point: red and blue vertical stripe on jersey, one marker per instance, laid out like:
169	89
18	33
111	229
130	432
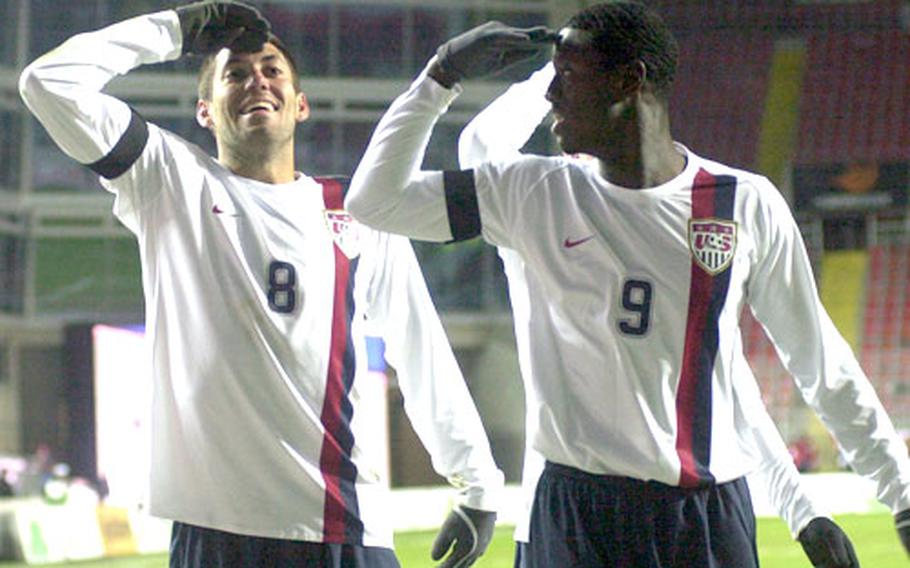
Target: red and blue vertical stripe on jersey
342	522
712	198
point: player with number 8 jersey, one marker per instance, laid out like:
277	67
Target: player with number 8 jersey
260	290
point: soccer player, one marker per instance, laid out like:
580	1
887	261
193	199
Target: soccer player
638	265
498	133
260	290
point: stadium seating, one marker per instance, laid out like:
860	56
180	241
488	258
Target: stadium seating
872	14
776	385
885	352
719	95
856	98
727	14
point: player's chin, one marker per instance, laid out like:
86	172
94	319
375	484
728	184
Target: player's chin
564	137
255	119
260	124
567	145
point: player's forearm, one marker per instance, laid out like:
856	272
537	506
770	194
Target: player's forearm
436	397
63	87
505	125
797	510
388	191
440	407
786	493
826	371
777	475
867	438
833	384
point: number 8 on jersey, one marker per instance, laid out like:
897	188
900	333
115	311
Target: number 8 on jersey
282	287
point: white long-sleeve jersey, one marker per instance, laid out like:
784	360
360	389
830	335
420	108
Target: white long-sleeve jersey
497	133
635	299
258	300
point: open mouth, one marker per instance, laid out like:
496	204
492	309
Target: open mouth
259	106
556	119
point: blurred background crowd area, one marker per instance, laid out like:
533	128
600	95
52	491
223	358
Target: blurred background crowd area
814	94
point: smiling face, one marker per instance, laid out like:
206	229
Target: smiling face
255	102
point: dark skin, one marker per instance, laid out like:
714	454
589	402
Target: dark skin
608	111
611	112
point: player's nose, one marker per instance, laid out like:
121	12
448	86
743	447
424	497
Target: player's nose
553	90
258	80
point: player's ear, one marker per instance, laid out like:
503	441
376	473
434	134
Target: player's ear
631	77
634	77
203	114
303	107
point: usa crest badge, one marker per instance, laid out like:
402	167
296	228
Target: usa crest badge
344	231
712	242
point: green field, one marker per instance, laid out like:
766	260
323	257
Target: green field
872	535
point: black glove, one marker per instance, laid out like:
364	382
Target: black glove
492	49
902	522
209	26
471	530
826	545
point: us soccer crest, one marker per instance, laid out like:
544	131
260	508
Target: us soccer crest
344	231
712	242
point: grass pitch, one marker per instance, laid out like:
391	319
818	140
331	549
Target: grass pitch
873	537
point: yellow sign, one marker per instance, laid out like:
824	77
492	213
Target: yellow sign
116	531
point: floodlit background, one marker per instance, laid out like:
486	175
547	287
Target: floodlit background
814	94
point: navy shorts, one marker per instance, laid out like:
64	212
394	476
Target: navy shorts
584	520
199	547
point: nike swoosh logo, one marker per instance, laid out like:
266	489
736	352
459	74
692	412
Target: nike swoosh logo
569	243
219	211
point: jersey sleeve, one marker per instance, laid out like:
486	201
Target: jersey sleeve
500	130
436	397
784	298
778	477
63	89
775	474
388	191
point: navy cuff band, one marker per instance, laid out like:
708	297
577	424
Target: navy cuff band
461	204
127	150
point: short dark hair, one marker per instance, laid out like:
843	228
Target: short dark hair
627	31
207	69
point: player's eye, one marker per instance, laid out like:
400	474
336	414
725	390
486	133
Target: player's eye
233	74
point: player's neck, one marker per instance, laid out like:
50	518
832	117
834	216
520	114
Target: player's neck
260	164
648	157
644	167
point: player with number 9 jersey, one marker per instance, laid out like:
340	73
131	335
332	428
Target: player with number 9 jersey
634	269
